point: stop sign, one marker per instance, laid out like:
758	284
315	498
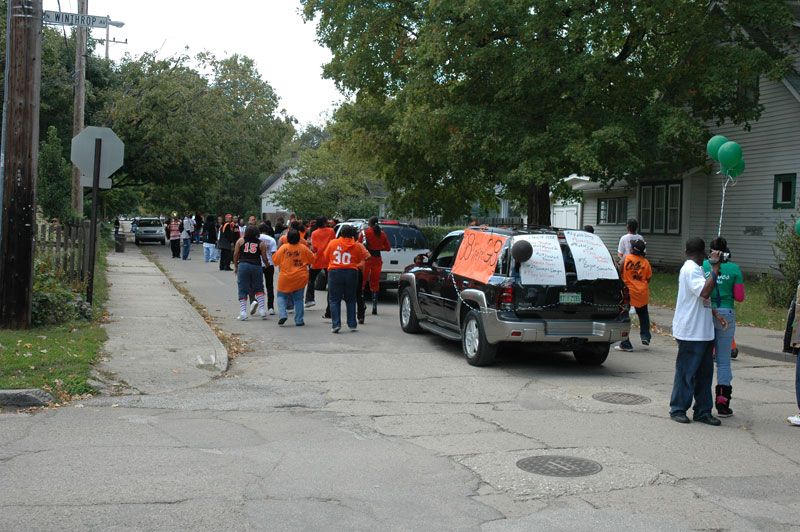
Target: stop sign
112	151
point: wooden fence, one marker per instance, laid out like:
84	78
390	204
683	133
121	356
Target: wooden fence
67	245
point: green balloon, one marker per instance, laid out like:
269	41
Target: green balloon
713	146
730	154
734	172
797	226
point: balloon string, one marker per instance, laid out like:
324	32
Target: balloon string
726	180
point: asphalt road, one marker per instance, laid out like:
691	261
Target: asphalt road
381	430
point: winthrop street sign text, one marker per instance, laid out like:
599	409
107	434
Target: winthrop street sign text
74	19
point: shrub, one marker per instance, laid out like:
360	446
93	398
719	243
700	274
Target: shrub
781	289
435	233
53	301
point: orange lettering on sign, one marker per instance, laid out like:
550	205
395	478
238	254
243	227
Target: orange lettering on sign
477	255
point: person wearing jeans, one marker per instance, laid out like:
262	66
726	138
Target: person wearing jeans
344	255
292	260
186	236
209	239
693	328
729	288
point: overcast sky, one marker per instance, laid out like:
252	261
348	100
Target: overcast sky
269	31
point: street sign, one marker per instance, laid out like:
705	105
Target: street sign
113	151
74	19
104	183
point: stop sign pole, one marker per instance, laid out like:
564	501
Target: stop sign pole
98	150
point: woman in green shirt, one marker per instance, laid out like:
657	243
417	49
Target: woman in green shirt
730	288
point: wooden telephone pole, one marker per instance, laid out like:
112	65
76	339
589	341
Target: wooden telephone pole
79	97
20	161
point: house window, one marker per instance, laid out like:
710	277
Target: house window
660	208
612	210
783	191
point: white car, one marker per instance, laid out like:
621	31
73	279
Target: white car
407	242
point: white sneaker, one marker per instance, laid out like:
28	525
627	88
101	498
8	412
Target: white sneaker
242	316
794	420
263	314
253	307
310	304
290	311
272	312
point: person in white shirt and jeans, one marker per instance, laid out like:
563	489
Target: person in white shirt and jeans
625	242
693	328
186	235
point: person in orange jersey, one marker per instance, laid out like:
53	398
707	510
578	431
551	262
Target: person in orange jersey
636	274
344	255
320	237
293	259
375	240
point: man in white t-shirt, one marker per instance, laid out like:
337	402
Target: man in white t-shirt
625	242
693	328
186	235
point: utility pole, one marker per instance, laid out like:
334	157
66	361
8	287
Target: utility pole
20	161
78	101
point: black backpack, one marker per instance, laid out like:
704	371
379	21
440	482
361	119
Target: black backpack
180	226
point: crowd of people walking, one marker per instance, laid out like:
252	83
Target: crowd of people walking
301	251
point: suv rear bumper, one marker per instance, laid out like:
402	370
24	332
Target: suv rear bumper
556	331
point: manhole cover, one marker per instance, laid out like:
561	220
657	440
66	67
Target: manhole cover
559	466
620	398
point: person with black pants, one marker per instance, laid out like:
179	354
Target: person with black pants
226	239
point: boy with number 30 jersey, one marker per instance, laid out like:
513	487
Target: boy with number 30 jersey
344	255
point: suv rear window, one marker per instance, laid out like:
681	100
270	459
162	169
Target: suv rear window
401	236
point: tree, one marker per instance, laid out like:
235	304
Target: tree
54	185
454	99
328	183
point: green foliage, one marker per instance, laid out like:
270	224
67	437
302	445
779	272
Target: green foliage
435	233
460	101
53	300
328	183
54	184
782	289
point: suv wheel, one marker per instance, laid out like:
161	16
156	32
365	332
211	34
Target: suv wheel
408	318
476	349
137	241
593	354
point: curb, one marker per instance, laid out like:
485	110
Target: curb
745	349
26	397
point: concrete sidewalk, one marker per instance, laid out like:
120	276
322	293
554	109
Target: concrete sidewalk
156	338
764	343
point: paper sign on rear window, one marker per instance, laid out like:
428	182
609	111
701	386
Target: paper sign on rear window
546	265
592	259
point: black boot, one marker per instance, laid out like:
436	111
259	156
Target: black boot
723	402
374	303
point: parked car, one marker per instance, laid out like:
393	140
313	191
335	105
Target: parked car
406	240
150	230
583	312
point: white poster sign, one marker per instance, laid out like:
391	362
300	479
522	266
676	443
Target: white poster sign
592	259
546	265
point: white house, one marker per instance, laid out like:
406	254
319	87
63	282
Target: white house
269	209
669	212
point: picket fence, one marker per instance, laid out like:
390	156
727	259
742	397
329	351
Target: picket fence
67	244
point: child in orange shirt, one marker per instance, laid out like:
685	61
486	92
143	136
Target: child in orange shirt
293	259
636	274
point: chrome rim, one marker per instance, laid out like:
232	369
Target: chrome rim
405	310
471	338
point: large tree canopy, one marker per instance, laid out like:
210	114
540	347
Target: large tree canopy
454	99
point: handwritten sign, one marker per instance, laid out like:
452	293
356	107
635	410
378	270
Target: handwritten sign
477	255
592	259
546	265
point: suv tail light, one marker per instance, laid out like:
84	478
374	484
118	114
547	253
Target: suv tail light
505	298
625	302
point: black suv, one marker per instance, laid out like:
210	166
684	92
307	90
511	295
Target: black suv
584	311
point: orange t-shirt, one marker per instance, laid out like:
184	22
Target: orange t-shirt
343	253
636	274
375	242
320	239
292	260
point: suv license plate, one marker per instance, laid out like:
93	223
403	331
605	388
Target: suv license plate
570	298
392	276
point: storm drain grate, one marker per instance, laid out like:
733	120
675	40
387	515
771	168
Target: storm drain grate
620	398
559	466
